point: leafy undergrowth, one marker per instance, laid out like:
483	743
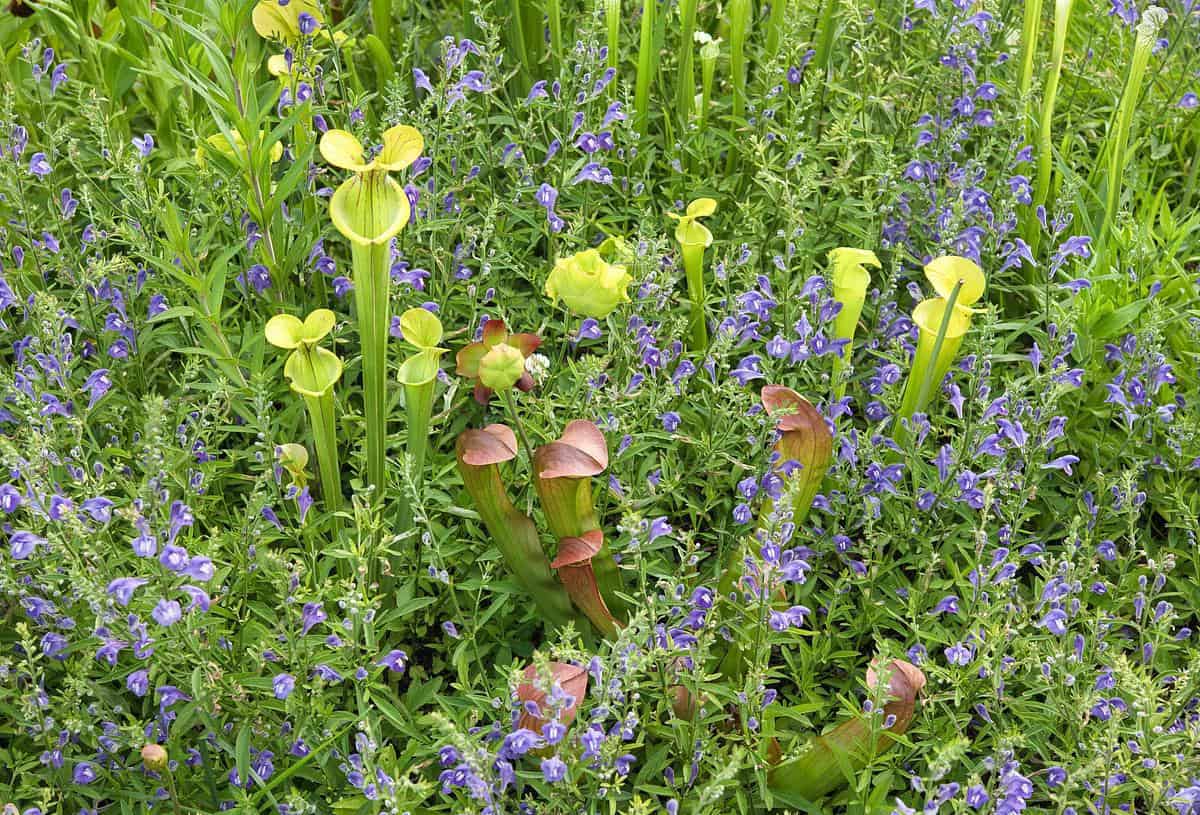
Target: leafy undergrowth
538	407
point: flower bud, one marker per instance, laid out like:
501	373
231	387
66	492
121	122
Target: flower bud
154	758
587	284
501	367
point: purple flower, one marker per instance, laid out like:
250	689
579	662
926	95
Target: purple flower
421	80
167	612
144	145
553	769
39	165
947	605
1055	621
670	421
594	172
283	685
58	77
311	615
308	23
1189	100
326	673
976	796
22	544
198	596
958	654
174	557
122	588
199	568
658	528
394	661
450	629
1061	463
84	773
259	277
138	682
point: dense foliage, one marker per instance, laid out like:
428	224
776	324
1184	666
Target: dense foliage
257	563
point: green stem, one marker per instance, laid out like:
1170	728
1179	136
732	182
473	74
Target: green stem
647	67
612	17
554	15
685	82
1062	20
1030	26
1147	30
775	26
320	414
381	20
821	58
693	267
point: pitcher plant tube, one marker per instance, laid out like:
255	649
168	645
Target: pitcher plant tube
312	372
804	450
942	322
369	209
480	453
694	238
422	330
851	746
563	471
574	565
849	279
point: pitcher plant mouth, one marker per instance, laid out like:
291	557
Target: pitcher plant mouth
370	209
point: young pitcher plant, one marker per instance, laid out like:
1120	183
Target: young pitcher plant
312	372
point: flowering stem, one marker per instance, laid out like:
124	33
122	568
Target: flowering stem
516	417
693	267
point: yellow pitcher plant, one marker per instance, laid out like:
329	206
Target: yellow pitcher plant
369	209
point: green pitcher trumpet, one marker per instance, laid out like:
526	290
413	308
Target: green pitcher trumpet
312	372
849	278
423	330
369	209
942	322
942	328
694	238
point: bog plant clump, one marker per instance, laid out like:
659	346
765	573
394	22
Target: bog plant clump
561	407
